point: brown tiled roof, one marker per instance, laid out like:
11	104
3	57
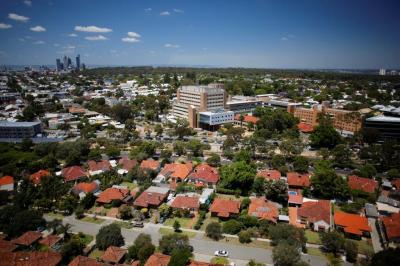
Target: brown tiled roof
85	187
6	180
103	165
34	258
36	177
392	226
270	174
113	254
305	128
73	173
247	118
127	164
147	199
298	180
295	199
7	246
263	209
158	259
186	202
150	164
396	183
50	240
112	193
360	183
27	239
316	211
225	207
177	170
205	173
352	223
85	261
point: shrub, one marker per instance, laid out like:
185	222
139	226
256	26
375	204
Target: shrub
213	231
232	227
244	237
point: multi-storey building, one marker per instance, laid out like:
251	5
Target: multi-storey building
19	130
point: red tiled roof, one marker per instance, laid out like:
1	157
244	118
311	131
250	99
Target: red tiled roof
205	173
112	193
150	164
73	173
298	180
392	226
113	254
361	183
295	199
50	240
352	223
200	263
305	128
6	180
186	202
270	174
85	261
147	199
247	118
127	164
225	207
396	183
316	211
86	187
36	177
7	246
158	259
293	217
34	258
177	170
263	209
103	165
27	239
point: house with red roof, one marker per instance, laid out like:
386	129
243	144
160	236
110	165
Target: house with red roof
396	183
315	215
7	183
84	188
186	202
295	199
364	184
298	181
36	178
32	258
247	119
113	255
176	172
391	227
7	246
114	193
158	259
152	197
100	167
126	165
86	261
225	208
73	173
27	239
204	174
264	209
352	224
273	175
50	240
150	164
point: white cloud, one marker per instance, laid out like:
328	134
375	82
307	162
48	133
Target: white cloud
39	42
134	34
28	2
56	44
287	37
16	17
73	35
148	9
284	38
178	10
92	29
130	39
38	29
69	47
4	26
165	13
96	38
169	45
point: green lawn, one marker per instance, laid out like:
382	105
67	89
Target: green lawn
315	252
86	239
92	220
167	231
130	185
313	237
42	247
208	220
96	253
125	225
56	215
364	247
183	221
220	261
254	244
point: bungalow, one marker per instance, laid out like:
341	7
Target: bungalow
34	258
96	168
264	209
186	202
51	241
150	165
315	215
204	174
113	255
85	261
391	227
126	165
73	173
158	259
151	197
298	181
7	183
352	224
225	208
364	184
36	178
84	188
27	239
273	175
114	193
177	172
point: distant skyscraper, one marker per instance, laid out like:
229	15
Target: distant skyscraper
382	72
58	65
69	63
65	62
78	62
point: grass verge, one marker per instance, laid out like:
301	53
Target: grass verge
92	220
167	231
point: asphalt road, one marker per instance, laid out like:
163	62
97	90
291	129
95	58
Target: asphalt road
201	246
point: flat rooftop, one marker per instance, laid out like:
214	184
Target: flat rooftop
18	124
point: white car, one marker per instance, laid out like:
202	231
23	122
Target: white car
221	253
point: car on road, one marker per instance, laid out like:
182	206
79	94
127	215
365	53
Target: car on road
137	224
221	253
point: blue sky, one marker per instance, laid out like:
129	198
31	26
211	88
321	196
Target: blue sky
245	33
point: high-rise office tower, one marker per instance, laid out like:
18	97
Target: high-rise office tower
382	72
69	63
65	62
58	64
78	62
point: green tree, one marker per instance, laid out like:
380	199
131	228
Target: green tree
158	129
238	175
325	135
342	156
289	234
214	160
181	128
351	249
291	147
177	226
232	227
174	241
109	235
71	249
332	241
259	186
244	236
285	254
180	257
243	156
367	170
213	231
300	164
79	212
388	256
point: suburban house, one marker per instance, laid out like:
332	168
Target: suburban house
85	261
83	188
114	193
36	178
158	259
47	258
113	255
295	199
364	184
50	241
298	181
186	202
126	165
7	183
27	239
96	168
264	209
391	227
225	208
176	172
352	224
204	174
387	206
273	175
150	164
73	173
7	246
152	197
315	215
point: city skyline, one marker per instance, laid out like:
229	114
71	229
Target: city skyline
270	34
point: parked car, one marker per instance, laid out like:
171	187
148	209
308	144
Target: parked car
221	253
138	224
